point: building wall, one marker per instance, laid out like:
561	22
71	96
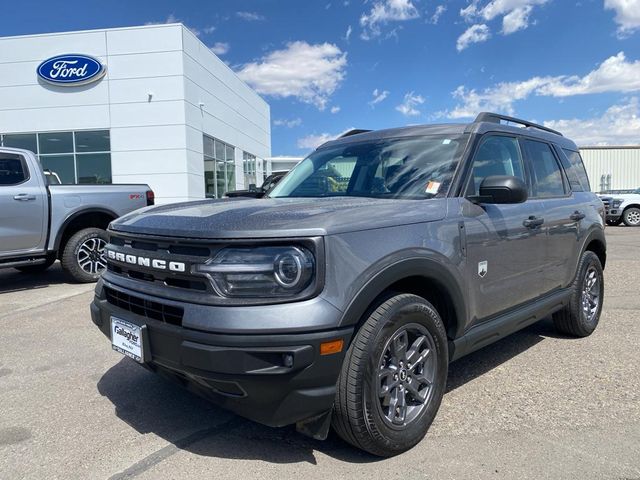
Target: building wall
222	106
621	163
150	99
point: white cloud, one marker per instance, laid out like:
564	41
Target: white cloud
473	34
409	104
283	122
383	12
615	74
517	19
435	18
619	125
347	35
220	48
250	16
515	16
310	73
313	141
209	29
335	109
378	96
627	15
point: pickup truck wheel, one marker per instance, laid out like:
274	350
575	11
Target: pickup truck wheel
83	256
393	377
631	217
580	318
37	268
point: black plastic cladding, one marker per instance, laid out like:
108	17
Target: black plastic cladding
166	284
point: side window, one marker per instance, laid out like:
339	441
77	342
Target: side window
497	155
547	177
578	169
12	169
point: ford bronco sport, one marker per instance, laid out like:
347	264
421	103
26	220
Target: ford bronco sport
340	298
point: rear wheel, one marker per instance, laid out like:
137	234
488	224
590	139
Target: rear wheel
631	217
580	318
83	257
393	377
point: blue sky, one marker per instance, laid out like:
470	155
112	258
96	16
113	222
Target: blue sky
328	66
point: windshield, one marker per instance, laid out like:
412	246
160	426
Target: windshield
407	168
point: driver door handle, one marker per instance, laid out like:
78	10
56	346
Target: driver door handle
577	215
533	222
24	197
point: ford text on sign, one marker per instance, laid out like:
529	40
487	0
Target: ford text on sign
71	70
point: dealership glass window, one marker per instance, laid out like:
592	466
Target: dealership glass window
77	157
219	167
27	141
249	168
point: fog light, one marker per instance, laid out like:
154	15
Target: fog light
287	359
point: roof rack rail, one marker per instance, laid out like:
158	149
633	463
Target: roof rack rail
496	118
355	131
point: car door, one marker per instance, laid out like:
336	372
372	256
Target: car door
563	211
22	206
502	240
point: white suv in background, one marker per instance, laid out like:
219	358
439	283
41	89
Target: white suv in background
623	207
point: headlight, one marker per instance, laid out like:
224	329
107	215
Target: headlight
616	202
260	272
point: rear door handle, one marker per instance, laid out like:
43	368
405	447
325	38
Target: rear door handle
533	222
577	216
24	197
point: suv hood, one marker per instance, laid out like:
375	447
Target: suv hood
277	217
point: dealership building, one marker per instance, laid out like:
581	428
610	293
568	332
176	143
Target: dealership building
160	108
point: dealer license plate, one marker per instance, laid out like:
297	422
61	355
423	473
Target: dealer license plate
126	338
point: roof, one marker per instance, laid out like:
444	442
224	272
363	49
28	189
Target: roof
477	127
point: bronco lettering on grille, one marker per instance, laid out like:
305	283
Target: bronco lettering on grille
148	262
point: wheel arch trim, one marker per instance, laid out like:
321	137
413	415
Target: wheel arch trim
74	216
429	268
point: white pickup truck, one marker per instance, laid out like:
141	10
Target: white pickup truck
622	207
41	222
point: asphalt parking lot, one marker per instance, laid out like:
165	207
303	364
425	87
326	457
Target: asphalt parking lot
535	405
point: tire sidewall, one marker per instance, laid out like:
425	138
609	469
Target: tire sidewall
589	259
406	312
624	217
70	256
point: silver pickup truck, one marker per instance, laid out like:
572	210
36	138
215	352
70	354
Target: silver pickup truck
41	222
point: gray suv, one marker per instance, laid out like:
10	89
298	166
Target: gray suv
340	298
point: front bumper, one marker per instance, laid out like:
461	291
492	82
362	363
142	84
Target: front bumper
273	379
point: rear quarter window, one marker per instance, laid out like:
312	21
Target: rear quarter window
577	170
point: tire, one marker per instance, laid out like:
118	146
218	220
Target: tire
614	223
631	217
575	319
37	268
363	413
83	256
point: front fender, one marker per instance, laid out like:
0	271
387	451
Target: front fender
429	265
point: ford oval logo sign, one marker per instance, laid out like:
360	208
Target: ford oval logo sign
71	70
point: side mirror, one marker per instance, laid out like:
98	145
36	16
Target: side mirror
503	189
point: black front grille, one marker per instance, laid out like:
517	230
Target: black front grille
146	308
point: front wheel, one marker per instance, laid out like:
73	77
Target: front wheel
83	257
631	217
393	377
